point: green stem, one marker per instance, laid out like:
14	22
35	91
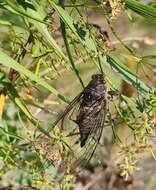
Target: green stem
118	38
63	31
100	66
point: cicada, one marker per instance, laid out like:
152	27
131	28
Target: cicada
82	121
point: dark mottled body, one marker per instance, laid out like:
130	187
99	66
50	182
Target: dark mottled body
91	108
88	111
90	116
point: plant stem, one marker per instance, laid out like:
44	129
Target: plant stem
63	31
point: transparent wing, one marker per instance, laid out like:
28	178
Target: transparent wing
74	104
83	155
71	153
51	149
146	71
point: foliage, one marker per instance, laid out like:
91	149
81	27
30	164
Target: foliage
44	46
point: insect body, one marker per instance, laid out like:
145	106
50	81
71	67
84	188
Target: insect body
91	112
83	121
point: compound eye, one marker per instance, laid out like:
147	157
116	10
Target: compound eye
94	76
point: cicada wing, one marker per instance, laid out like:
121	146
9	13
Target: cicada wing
147	72
77	156
51	147
84	154
73	105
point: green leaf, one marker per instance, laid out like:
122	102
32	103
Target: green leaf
14	96
5	22
144	10
84	37
13	7
11	63
35	15
127	75
42	28
10	134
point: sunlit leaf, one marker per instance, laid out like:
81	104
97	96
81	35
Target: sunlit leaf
11	63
